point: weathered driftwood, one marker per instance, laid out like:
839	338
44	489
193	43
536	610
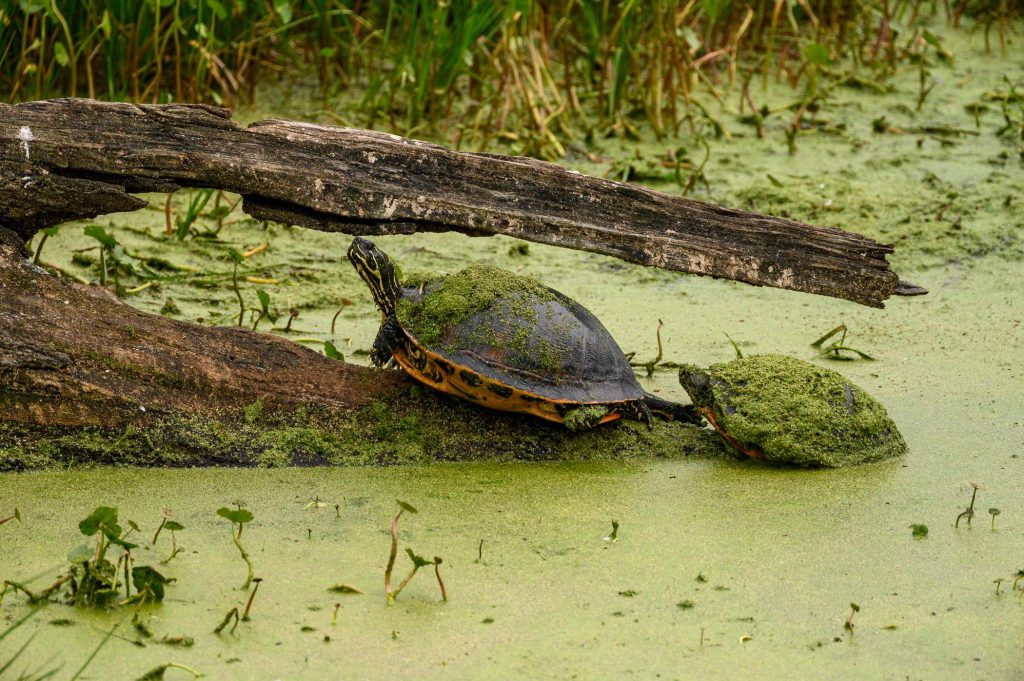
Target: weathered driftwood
75	355
65	159
85	378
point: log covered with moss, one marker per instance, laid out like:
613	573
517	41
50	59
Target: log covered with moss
87	379
72	158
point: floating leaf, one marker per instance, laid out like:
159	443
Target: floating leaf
145	577
173	526
239	516
332	351
103	516
406	507
100	234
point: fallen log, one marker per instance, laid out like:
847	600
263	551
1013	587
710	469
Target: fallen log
70	158
87	379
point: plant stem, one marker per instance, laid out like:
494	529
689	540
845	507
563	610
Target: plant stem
245	556
437	572
252	596
156	535
234	285
391	558
227	618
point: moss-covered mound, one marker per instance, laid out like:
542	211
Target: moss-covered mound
453	299
795	412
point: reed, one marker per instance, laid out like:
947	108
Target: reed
530	73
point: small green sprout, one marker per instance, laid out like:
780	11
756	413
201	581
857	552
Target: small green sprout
232	614
854	608
613	536
650	365
238	518
998	581
15	516
994	512
440	583
418	562
402	508
264	310
919	531
835	349
46	234
345	302
172	526
735	347
236	259
969	511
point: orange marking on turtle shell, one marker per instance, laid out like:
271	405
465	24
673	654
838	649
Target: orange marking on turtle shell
475	388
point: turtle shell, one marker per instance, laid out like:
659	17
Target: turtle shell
792	411
518	333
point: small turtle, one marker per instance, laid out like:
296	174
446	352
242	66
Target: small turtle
505	342
783	409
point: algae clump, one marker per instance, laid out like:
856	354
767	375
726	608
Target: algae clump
457	297
794	412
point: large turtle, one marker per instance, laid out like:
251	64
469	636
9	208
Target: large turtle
505	342
786	410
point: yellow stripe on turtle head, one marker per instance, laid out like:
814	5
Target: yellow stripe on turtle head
378	271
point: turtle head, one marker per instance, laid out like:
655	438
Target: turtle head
379	273
697	384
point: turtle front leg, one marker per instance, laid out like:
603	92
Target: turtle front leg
388	338
584	416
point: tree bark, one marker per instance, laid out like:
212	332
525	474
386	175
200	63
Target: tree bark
75	355
72	158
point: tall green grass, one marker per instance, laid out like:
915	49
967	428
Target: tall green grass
531	71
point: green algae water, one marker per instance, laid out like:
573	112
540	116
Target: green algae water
721	568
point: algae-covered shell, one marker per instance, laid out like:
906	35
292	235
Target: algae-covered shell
514	330
787	410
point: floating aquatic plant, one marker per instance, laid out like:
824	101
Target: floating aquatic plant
238	518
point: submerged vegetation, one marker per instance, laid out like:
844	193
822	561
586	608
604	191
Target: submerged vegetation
535	75
93	580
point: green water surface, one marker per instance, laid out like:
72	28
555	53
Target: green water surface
784	552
